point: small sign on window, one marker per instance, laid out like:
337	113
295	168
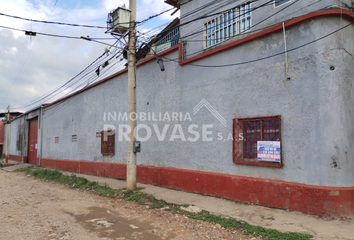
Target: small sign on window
268	151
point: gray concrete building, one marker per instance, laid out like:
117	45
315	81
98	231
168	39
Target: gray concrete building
245	74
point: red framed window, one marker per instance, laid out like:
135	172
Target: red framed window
107	142
247	132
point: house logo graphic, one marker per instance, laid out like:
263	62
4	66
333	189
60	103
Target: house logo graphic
204	103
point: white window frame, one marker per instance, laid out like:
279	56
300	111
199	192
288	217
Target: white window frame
282	3
238	20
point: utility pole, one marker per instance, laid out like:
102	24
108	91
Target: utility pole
131	155
7	134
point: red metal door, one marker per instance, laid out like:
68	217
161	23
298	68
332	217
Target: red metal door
32	142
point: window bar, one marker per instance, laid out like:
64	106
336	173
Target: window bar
228	24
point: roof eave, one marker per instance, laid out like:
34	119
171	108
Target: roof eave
174	3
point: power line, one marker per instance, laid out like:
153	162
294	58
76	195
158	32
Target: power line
252	9
193	20
91	74
29	52
260	59
219	13
51	35
64	102
153	16
248	32
67	84
81	25
49	22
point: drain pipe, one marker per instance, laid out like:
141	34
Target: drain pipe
23	138
286	54
41	128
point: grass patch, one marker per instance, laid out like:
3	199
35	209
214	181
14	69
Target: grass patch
141	198
244	226
26	169
158	204
72	181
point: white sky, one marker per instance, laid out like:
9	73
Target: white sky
32	66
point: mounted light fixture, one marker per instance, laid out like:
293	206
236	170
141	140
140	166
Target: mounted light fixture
105	64
160	62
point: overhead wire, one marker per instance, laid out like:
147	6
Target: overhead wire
64	102
260	59
82	25
252	9
221	12
51	35
49	22
91	67
217	13
254	25
248	32
18	73
86	79
187	23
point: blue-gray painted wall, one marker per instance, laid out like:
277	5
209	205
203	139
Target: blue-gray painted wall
316	108
263	15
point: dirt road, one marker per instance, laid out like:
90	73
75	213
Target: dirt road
36	209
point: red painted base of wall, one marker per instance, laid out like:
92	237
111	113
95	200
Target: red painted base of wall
335	202
113	170
18	158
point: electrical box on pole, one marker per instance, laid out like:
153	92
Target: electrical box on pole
119	21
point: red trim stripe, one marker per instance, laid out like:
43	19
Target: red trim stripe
334	202
274	29
18	158
291	23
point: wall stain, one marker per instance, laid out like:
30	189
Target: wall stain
19	139
334	164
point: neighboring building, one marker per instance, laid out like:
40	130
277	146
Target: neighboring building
234	90
23	136
2	132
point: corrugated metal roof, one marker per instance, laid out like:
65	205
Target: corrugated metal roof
33	109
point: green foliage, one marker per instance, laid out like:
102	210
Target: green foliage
23	169
247	228
136	196
72	181
158	204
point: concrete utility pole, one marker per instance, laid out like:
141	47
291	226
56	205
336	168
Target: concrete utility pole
131	155
7	134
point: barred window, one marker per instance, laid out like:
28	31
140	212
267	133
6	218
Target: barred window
277	3
107	142
247	132
229	24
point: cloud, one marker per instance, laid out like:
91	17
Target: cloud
32	66
147	8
